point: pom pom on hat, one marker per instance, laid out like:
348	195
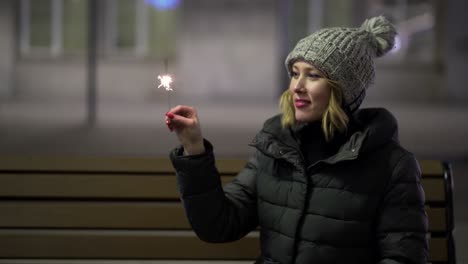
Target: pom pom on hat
383	32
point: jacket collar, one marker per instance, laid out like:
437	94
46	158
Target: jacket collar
278	142
370	129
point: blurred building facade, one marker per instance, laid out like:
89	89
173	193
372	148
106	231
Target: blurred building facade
217	49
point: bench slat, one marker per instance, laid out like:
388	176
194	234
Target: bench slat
104	215
120	245
121	215
429	168
132	261
88	186
125	186
434	189
111	186
102	164
438	250
138	245
85	164
87	261
437	219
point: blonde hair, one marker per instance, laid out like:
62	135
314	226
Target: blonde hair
334	119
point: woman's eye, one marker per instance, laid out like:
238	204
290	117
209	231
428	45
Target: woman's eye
294	74
314	75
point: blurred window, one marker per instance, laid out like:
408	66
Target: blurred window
124	24
40	17
51	28
75	33
131	28
141	28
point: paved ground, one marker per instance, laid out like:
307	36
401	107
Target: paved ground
428	130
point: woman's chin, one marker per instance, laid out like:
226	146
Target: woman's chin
301	118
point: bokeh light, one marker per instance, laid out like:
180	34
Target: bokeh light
163	4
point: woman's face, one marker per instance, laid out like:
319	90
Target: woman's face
310	92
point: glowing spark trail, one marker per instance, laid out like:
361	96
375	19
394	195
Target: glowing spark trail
166	81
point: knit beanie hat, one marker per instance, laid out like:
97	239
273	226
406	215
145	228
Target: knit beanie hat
346	55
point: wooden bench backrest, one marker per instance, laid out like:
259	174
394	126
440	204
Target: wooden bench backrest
129	208
437	182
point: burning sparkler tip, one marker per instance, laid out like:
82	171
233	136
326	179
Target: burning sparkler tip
165	81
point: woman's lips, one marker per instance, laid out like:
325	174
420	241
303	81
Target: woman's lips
299	103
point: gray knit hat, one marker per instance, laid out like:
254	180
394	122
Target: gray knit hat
346	55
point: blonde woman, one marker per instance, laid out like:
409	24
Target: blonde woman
329	182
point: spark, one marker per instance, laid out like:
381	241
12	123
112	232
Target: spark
166	81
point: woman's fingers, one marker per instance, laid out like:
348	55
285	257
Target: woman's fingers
183	110
182	117
169	124
184	120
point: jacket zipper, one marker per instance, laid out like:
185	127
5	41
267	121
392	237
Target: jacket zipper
300	161
305	170
303	213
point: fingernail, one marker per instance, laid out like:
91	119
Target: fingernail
169	125
170	115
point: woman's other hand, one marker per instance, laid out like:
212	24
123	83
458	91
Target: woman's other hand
184	120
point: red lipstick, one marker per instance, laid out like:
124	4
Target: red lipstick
299	103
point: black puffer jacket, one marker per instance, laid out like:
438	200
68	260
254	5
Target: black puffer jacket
362	205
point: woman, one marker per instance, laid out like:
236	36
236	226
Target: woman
328	183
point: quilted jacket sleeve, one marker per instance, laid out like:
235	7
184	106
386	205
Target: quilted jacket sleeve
216	214
402	224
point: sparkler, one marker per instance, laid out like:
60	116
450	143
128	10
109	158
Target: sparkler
165	81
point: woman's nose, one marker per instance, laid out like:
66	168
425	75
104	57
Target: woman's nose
299	86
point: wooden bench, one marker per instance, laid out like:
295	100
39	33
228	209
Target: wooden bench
125	209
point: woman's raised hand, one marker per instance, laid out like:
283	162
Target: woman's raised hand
184	120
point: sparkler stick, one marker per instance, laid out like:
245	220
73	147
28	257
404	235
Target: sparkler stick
165	81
